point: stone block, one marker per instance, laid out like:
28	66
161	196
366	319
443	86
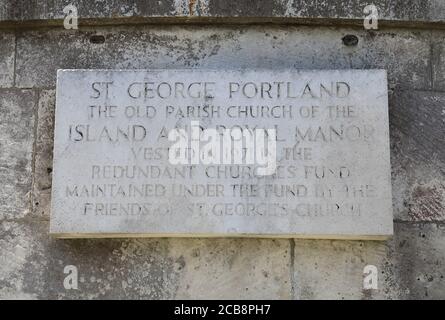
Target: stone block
33	267
410	266
44	154
7	55
17	108
404	53
117	170
417	127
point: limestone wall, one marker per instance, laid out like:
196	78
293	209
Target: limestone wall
410	44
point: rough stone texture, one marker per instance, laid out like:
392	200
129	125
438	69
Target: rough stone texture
17	109
418	258
20	258
7	55
334	270
51	11
410	10
417	126
33	264
44	154
438	60
41	53
411	266
233	268
412	263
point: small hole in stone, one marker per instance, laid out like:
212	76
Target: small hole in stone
350	40
97	39
37	203
49	170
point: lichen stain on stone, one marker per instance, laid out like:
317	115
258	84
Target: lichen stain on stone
192	7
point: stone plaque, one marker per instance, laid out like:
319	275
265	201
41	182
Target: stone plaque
222	153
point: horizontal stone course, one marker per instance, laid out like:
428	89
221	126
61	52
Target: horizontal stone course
51	11
33	265
41	53
410	266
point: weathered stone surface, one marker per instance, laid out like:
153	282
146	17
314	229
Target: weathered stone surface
334	270
338	186
33	267
29	10
21	261
51	12
44	154
7	53
410	266
232	268
418	259
40	54
411	10
32	264
17	109
417	127
438	60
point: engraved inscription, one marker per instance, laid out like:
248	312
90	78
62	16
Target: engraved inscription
222	153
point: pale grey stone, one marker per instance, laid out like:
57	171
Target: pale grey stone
18	249
44	154
17	109
407	12
438	59
7	55
40	54
351	199
232	268
326	269
410	266
33	267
